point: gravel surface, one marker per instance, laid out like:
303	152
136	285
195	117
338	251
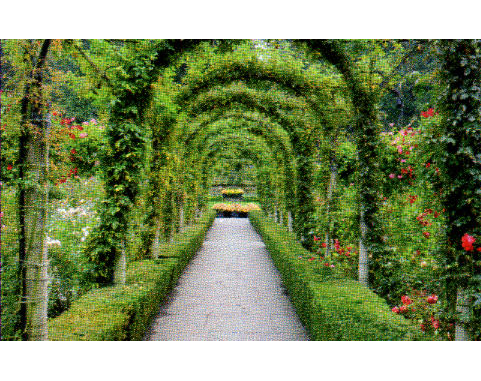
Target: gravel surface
229	291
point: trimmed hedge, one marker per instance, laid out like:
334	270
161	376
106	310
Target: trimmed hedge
125	312
329	305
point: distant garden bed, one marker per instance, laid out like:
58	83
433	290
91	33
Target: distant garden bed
232	194
230	210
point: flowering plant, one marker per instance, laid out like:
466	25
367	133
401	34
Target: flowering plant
232	192
424	310
239	208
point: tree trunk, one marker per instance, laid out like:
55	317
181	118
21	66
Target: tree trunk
289	220
330	190
155	250
32	204
120	266
363	254
464	312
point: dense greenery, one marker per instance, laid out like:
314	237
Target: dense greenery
368	150
330	306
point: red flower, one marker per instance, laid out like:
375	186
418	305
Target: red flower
435	324
324	244
423	328
403	309
317	238
428	165
73	151
326	264
310	259
432	299
395	310
10	167
467	242
406	300
71	135
426	234
427	114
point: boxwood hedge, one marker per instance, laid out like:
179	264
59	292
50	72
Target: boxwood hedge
330	306
125	312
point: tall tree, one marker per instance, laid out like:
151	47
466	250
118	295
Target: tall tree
33	197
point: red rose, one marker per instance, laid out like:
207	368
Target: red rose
432	299
403	309
467	242
395	310
324	244
406	300
10	167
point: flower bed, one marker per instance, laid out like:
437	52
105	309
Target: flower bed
232	194
234	210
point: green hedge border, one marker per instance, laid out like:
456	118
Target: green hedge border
125	312
330	307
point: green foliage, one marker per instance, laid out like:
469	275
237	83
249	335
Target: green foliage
330	306
125	312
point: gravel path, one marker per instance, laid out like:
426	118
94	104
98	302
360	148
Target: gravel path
229	291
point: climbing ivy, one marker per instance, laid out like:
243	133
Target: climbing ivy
457	153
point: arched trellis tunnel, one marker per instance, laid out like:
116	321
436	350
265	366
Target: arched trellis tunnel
295	102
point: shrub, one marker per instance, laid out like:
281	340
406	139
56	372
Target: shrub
125	312
331	306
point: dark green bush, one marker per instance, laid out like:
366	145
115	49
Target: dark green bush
125	312
330	306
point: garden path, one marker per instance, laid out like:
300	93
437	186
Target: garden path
229	291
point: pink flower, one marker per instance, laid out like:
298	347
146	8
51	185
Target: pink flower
93	121
395	310
332	266
399	176
403	160
392	176
83	135
432	299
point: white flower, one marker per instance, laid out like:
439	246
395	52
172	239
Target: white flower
53	242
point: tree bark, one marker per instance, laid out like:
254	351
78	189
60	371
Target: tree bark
32	203
464	312
363	254
330	190
120	266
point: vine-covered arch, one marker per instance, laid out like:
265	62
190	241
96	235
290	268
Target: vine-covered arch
293	115
280	152
254	123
